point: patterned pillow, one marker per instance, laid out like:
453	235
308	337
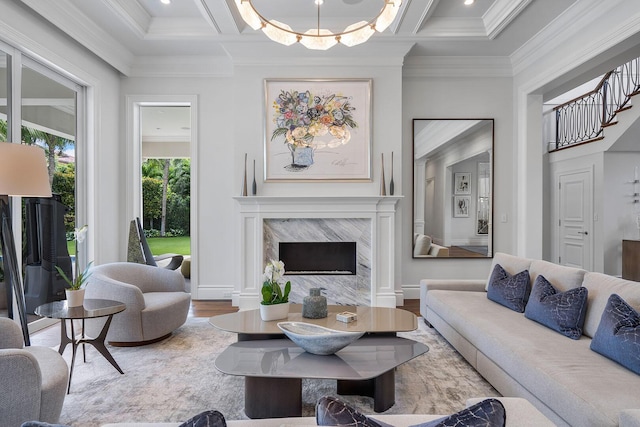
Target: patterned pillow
618	334
561	311
510	291
206	419
488	413
333	412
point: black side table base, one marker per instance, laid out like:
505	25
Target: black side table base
97	343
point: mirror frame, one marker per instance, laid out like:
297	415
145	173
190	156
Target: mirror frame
474	181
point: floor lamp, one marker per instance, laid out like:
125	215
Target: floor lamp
23	172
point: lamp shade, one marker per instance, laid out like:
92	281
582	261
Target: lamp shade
23	171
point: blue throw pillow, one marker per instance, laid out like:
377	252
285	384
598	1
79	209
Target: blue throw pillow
488	413
561	311
618	334
510	291
206	419
334	412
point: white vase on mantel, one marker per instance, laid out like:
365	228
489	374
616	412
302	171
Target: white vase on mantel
75	298
274	311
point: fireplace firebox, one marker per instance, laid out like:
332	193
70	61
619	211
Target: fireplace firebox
318	258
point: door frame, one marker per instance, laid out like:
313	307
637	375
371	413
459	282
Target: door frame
555	217
134	163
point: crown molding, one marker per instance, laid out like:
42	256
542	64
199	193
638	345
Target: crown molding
502	13
569	25
457	66
69	19
374	53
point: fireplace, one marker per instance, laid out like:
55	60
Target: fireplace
369	221
318	258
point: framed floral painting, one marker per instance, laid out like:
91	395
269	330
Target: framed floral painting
317	130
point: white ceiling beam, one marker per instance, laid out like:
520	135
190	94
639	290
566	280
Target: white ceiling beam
66	16
132	13
207	15
500	14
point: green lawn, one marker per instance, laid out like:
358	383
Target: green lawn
170	245
159	245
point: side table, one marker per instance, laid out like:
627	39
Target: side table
91	309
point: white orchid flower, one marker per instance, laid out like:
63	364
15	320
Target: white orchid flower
79	234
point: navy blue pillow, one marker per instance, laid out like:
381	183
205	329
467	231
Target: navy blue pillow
510	291
561	311
618	334
334	412
206	419
488	413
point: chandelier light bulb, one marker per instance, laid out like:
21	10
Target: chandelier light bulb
319	38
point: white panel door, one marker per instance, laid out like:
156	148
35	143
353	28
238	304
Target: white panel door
575	214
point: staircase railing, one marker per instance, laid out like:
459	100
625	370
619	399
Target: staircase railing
583	119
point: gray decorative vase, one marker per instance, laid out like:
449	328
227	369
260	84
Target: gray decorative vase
314	306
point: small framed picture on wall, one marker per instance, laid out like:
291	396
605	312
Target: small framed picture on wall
462	183
461	206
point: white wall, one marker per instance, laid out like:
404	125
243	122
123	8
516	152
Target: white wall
449	97
231	124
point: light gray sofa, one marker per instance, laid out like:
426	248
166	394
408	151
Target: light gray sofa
520	413
34	379
156	301
564	378
424	247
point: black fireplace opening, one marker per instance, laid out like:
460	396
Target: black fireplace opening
318	258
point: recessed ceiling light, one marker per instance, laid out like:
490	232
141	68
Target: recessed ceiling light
468	2
169	1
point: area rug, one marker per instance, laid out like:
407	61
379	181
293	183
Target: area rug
174	379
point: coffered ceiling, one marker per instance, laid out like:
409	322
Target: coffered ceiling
123	31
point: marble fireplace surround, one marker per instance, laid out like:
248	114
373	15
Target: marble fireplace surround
370	219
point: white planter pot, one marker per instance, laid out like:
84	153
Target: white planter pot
274	312
74	298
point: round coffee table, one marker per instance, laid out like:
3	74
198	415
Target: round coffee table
91	309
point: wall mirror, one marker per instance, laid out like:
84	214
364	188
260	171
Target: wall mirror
452	188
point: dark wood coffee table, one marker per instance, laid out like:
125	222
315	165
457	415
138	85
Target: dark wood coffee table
274	369
274	366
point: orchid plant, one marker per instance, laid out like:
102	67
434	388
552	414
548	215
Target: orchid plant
272	293
79	279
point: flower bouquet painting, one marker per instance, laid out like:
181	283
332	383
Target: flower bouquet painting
318	129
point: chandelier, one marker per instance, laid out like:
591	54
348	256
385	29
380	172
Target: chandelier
319	38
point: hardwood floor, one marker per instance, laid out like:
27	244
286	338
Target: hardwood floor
216	307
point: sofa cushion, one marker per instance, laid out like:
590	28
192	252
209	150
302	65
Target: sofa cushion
600	287
422	245
563	312
510	263
618	336
509	290
488	413
563	277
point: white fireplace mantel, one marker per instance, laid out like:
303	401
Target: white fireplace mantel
380	210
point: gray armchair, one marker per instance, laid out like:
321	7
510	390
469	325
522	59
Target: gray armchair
34	379
156	301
